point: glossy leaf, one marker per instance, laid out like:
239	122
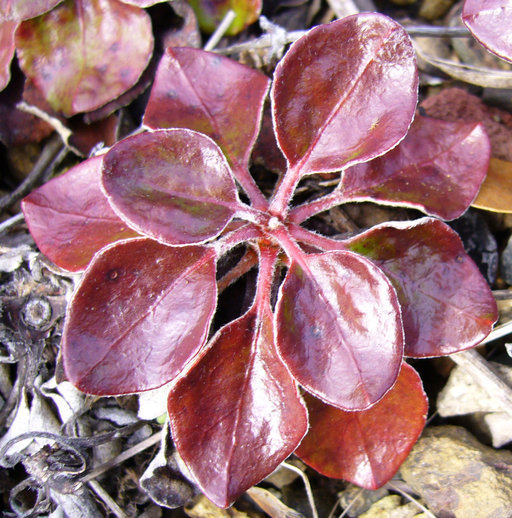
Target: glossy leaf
142	310
237	414
70	217
339	329
210	94
211	12
98	50
489	21
18	10
367	447
172	185
437	168
496	191
335	93
446	304
6	51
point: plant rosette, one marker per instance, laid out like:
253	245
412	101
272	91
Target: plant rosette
315	366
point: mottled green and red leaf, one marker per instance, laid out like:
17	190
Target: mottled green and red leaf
18	10
173	185
210	13
211	94
85	53
447	306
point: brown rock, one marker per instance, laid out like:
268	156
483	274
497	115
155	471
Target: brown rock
391	507
458	477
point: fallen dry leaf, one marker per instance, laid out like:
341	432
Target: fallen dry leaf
496	191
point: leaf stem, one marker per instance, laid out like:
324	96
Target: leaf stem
248	261
292	249
248	184
245	232
283	194
316	240
306	210
268	256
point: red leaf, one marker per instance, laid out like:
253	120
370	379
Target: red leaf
437	168
489	21
447	305
173	185
335	94
339	329
187	33
98	50
211	12
18	10
366	447
210	94
86	136
6	51
70	217
237	414
141	311
143	3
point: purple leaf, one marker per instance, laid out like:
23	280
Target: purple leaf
98	50
18	10
210	94
237	414
172	185
447	305
142	310
367	447
18	127
142	3
339	329
6	51
344	93
437	168
489	21
70	218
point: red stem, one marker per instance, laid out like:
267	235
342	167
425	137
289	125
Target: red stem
246	232
316	240
283	194
245	179
305	211
268	258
